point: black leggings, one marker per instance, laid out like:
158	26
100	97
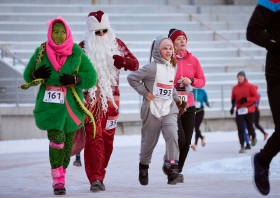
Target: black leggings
185	132
198	120
256	121
272	146
240	119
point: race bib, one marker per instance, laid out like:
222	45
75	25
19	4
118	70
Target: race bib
182	95
164	91
243	111
54	94
197	104
112	122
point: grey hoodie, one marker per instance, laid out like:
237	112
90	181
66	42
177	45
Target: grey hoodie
147	74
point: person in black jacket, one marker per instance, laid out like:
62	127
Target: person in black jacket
264	30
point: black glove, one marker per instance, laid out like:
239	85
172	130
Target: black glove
42	72
69	80
231	110
207	104
243	100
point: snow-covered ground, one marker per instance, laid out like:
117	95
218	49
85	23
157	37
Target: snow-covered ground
217	170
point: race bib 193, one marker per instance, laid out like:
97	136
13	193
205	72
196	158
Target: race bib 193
164	91
243	111
112	122
183	95
54	94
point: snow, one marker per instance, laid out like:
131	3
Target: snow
216	170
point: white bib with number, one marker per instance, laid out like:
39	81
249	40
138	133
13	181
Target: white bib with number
112	122
54	94
183	95
243	111
164	91
197	104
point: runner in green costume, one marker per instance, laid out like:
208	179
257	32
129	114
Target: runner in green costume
63	69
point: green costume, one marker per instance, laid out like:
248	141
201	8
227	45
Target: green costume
52	115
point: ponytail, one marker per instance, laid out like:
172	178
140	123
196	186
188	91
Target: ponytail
173	61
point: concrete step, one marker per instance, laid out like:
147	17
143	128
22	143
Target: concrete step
118	26
123	35
80	17
225	9
84	8
45	2
230	17
32	45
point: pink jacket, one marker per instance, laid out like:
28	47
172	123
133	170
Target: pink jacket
190	67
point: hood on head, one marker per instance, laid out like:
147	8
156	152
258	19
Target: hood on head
155	53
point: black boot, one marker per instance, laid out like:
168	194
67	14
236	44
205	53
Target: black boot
260	176
59	189
173	175
96	186
143	174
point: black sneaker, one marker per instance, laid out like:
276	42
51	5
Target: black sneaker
77	162
173	176
248	146
260	176
96	186
165	169
143	174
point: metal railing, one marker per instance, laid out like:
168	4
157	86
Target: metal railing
6	53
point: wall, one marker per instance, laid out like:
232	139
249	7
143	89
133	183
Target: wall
18	123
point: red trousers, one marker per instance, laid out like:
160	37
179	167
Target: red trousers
98	151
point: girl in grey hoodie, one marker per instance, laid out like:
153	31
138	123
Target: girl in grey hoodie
154	82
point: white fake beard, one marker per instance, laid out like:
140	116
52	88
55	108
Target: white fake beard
100	50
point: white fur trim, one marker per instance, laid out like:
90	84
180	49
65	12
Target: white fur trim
93	24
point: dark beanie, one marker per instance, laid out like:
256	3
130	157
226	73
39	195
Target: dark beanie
242	73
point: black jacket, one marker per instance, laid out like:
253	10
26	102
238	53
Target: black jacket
264	30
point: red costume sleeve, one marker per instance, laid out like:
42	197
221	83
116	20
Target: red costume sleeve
131	61
254	94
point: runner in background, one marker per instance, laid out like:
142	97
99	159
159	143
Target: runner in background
244	95
200	97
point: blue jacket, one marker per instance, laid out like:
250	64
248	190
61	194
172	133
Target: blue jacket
200	95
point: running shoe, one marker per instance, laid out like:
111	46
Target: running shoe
265	136
260	176
203	141
193	147
243	150
254	141
248	146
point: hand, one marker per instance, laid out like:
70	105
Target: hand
185	80
179	102
243	100
41	72
119	61
69	80
231	110
149	96
207	104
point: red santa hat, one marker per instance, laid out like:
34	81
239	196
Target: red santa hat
97	21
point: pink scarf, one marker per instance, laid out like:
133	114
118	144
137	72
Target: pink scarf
58	54
181	54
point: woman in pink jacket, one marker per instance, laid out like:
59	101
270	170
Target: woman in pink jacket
188	72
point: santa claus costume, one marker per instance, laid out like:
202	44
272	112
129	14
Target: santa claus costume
108	55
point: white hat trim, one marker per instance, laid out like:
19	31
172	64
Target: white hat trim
93	24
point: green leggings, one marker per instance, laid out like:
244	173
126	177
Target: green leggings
60	157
